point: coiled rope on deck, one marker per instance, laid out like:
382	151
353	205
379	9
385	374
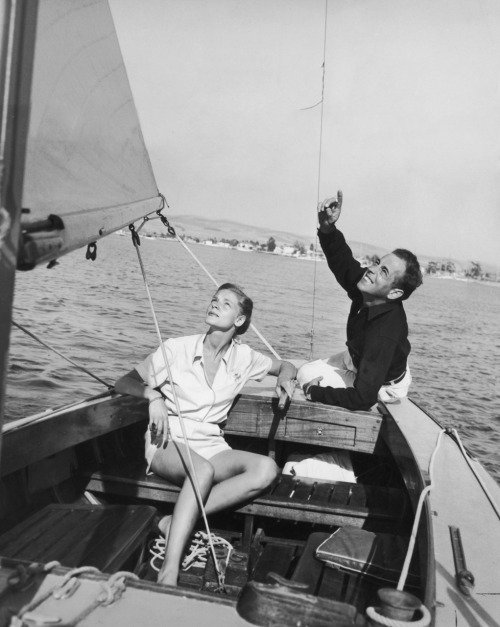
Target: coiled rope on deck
379	619
111	590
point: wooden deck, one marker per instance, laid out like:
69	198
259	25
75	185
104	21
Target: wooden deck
109	538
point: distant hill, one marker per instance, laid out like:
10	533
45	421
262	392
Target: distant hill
207	228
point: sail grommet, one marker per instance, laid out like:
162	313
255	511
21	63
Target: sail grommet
91	251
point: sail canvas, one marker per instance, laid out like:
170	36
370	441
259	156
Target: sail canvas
86	163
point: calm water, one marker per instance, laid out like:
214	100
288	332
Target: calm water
97	314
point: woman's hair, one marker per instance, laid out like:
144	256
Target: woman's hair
245	303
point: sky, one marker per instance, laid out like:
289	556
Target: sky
254	110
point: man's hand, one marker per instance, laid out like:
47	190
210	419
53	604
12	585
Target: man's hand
329	212
307	385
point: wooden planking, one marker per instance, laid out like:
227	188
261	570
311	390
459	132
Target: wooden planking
75	535
274	557
332	583
309	569
32	442
254	414
292	498
302	421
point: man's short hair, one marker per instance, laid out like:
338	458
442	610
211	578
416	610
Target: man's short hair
412	277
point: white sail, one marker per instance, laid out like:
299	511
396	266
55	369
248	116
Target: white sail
87	165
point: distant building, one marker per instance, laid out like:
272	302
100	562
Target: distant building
245	247
288	251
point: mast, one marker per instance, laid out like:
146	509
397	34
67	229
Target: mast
17	43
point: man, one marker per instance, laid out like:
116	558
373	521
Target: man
375	363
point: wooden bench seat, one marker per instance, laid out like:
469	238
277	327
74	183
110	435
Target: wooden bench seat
292	498
108	537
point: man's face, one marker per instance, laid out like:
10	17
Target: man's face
377	282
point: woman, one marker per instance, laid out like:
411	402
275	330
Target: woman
208	371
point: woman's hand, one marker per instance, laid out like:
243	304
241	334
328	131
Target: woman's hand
158	421
285	385
133	385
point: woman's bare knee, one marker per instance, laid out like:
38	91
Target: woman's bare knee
205	473
265	473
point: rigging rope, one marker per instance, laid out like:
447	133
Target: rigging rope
311	350
252	326
173	233
194	476
108	385
425	618
423	495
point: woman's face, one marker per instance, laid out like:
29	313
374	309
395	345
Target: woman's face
224	311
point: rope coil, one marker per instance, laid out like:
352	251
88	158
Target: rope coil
196	556
378	618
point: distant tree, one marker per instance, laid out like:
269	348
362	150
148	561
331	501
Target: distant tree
450	267
431	267
311	246
233	243
271	244
299	247
475	271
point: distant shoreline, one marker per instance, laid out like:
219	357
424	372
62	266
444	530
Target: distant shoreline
446	277
308	255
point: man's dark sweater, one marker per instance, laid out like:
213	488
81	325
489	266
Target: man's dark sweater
377	336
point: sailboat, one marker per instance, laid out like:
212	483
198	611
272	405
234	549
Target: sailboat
411	537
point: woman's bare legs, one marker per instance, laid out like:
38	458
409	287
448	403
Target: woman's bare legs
227	479
171	463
